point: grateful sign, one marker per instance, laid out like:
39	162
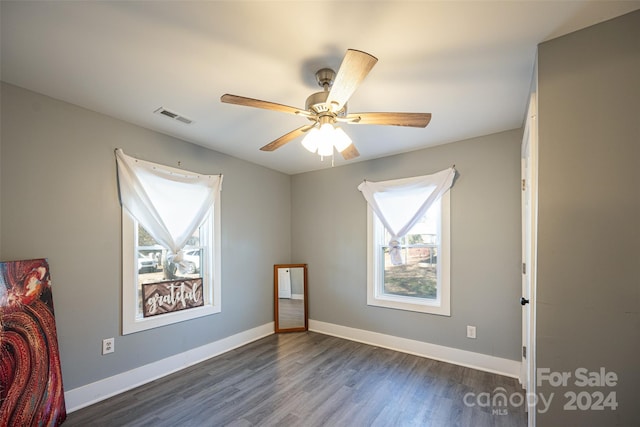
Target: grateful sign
174	295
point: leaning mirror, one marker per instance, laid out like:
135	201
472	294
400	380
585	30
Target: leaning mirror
290	297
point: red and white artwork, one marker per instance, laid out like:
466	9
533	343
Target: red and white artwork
31	392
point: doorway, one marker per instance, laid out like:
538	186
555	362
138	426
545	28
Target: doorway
529	158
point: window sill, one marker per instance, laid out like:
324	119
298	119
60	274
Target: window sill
437	307
130	326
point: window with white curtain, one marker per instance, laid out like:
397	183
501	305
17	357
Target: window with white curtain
170	234
409	243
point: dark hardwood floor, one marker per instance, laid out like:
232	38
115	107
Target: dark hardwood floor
310	379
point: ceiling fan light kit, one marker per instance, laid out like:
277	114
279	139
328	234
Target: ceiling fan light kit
329	106
322	140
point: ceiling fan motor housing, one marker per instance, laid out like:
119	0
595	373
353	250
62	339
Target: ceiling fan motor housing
317	103
325	78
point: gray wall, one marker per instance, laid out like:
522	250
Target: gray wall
59	200
329	232
589	215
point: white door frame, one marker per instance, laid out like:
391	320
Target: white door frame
284	283
529	159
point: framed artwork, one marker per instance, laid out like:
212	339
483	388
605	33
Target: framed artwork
31	392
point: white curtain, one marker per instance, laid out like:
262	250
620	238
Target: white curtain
169	203
400	203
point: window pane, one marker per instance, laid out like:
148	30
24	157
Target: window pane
417	277
421	284
150	257
425	230
153	266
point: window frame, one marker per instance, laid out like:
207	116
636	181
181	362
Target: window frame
375	268
131	321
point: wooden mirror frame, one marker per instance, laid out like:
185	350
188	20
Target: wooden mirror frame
275	299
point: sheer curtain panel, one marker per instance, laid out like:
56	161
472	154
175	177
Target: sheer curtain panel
169	203
400	203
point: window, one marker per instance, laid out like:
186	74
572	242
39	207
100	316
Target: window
170	244
421	283
145	262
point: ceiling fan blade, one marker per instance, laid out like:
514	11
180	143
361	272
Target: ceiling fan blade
354	68
256	103
287	137
351	152
418	120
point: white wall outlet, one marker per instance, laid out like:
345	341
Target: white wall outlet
108	345
471	331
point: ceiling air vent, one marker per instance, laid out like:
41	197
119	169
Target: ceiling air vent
173	115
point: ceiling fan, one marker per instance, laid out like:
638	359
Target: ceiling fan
329	106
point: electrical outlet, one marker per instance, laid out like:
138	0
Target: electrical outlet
108	345
471	331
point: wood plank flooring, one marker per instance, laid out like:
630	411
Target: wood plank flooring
290	313
310	379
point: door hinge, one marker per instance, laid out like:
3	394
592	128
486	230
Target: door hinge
524	184
524	268
524	352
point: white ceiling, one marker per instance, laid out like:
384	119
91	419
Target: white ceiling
468	63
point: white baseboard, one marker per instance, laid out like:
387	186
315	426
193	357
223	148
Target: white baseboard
483	362
86	395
